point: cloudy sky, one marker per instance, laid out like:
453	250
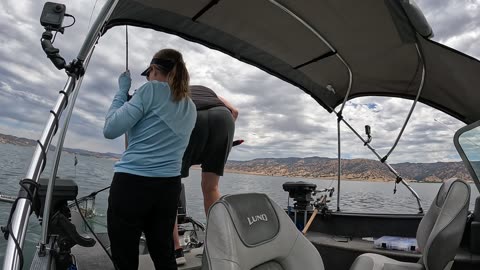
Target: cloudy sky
276	119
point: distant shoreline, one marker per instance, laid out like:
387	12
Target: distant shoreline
197	167
335	179
319	178
323	168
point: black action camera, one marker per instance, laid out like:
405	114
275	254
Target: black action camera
52	16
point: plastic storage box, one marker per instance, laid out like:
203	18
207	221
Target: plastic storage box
397	243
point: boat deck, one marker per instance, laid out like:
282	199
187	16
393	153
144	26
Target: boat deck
330	246
95	257
193	258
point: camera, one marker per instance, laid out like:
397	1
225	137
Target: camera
52	16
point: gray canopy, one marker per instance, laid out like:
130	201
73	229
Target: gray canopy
313	44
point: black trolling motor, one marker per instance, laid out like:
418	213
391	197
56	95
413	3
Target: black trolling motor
61	228
307	199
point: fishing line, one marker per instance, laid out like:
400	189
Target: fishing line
451	129
436	120
126	68
95	235
91	14
126	47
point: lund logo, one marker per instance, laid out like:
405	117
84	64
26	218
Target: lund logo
257	218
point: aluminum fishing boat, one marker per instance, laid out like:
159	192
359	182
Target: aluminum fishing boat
333	50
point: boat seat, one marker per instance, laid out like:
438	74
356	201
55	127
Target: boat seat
438	235
251	232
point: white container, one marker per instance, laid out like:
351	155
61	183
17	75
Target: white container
397	243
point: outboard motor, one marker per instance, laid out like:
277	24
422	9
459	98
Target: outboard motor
302	194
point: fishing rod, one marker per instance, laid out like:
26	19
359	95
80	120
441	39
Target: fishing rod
7	198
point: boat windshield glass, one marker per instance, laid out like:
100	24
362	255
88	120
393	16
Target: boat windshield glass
467	141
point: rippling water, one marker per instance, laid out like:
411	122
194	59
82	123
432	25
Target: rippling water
92	174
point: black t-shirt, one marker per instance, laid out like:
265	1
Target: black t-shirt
204	98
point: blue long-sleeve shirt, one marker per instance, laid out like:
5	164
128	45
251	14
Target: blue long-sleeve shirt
158	130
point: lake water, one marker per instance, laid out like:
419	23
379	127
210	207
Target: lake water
92	174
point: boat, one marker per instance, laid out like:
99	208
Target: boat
332	50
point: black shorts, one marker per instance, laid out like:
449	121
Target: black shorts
210	142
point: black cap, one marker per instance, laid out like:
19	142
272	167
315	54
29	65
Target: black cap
165	65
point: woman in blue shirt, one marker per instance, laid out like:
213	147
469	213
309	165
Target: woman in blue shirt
158	121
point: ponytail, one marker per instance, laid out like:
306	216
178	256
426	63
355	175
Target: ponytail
177	77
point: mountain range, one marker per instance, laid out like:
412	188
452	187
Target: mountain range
354	169
313	167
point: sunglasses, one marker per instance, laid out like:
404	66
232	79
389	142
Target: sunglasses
148	70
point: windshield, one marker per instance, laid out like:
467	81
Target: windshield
467	142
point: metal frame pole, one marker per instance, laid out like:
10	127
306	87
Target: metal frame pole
397	175
21	214
420	88
53	175
329	87
339	165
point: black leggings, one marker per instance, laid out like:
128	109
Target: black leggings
142	204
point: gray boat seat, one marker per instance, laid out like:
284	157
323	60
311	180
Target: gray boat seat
438	235
251	232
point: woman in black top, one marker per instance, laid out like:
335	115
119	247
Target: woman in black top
209	145
211	140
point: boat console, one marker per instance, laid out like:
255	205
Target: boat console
335	237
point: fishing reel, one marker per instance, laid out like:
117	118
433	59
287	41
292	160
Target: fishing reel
307	199
322	199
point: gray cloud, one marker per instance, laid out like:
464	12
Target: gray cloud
276	118
455	23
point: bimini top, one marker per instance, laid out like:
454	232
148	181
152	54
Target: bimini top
316	45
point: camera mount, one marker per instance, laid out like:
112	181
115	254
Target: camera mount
52	20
